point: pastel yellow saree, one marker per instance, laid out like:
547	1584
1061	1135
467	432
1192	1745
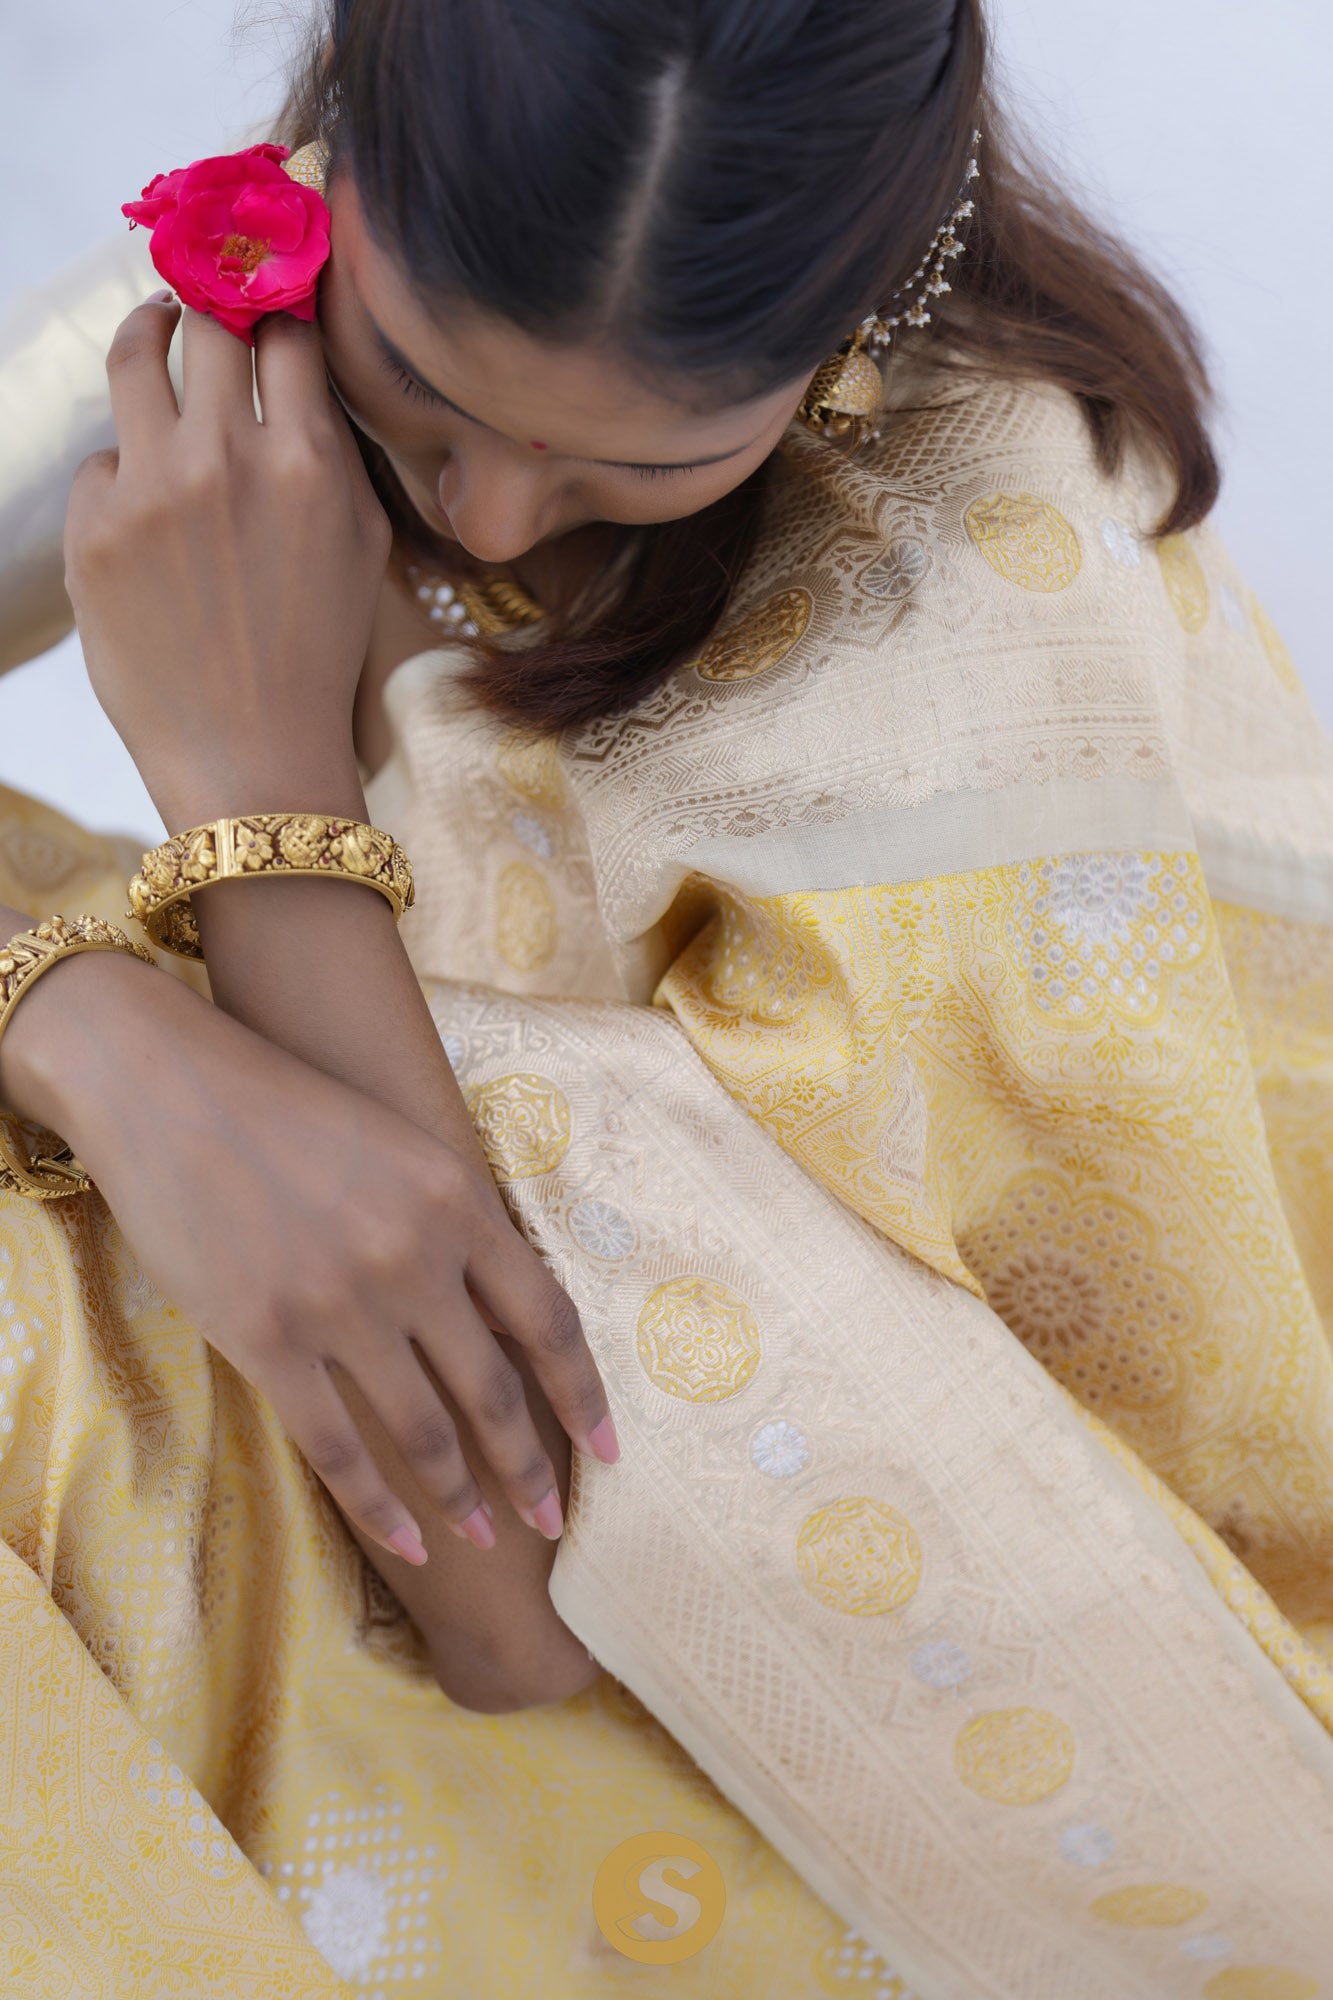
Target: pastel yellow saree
909	1035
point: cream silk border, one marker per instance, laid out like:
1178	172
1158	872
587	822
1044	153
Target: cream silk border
1099	1681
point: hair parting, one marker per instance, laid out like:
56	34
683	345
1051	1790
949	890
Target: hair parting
723	190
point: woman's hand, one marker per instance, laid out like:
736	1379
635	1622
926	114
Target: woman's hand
299	1224
224	572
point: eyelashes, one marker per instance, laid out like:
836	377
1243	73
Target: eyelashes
419	393
656	471
409	384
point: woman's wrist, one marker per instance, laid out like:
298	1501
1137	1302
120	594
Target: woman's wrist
70	1040
315	782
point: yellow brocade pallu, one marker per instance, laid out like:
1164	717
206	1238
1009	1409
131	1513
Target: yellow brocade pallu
909	1036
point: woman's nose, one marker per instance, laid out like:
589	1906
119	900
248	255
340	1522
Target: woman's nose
494	504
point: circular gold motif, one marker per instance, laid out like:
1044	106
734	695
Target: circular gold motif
525	926
1151	1905
1261	1982
698	1340
523	1124
1025	540
40	863
759	640
1015	1756
1279	659
1186	584
1084	1284
859	1556
531	764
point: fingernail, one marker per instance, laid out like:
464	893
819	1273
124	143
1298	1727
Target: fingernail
406	1542
477	1527
602	1437
546	1516
165	297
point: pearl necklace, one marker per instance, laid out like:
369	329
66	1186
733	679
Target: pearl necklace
477	609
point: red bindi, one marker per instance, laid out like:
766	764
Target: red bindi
537	445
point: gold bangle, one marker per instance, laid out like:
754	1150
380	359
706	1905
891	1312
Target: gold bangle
49	1172
260	844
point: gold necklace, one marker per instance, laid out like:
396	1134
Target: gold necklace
481	608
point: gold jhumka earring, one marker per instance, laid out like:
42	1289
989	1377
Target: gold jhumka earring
846	393
309	165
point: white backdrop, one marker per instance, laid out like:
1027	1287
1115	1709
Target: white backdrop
1196	125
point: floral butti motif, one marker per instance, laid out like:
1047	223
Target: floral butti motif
235	237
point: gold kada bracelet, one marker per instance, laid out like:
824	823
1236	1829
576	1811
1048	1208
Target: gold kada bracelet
233	850
50	1171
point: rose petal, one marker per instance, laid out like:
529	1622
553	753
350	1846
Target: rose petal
269	282
195	211
159	196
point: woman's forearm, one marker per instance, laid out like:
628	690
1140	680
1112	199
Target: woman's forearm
224	567
319	968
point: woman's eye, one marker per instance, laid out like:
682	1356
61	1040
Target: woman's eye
419	393
409	383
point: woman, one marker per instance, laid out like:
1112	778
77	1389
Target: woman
873	891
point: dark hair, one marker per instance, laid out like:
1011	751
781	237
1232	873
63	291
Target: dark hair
721	189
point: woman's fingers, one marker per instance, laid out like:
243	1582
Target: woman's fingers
303	1393
521	1294
143	402
289	368
468	1361
403	1401
219	375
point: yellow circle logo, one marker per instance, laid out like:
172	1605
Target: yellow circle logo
659	1898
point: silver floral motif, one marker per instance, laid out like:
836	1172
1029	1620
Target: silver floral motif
860	1965
347	1920
1232	608
940	1663
898	571
1122	543
1211	1945
534	834
1087	1845
455	1048
602	1229
1096	896
1095	927
165	1784
780	1449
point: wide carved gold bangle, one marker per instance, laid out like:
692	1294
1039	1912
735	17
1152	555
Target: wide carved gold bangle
49	1170
230	850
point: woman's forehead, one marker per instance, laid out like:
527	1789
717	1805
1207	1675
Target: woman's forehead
576	400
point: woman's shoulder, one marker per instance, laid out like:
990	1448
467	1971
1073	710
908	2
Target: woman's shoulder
904	601
971	623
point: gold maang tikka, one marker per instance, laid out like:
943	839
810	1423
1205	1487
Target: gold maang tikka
846	393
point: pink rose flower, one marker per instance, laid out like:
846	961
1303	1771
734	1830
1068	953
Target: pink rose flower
234	236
